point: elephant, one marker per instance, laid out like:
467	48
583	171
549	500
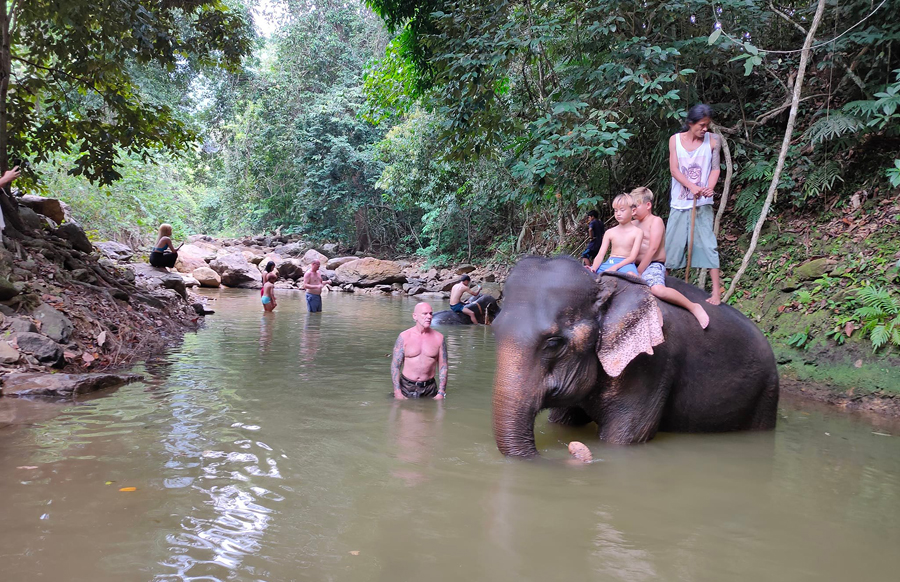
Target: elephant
602	349
484	304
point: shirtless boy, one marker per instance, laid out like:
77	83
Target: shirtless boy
313	283
268	293
456	295
623	241
419	352
652	256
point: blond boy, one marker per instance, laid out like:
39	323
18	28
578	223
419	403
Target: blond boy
623	241
651	261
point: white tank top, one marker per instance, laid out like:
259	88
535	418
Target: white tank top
696	166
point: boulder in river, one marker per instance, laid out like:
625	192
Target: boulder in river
61	385
8	354
235	271
290	269
336	262
207	277
313	255
368	272
115	250
191	257
293	249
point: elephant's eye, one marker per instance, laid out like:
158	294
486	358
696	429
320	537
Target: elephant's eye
554	343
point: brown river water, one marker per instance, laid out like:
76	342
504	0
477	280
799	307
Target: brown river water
267	448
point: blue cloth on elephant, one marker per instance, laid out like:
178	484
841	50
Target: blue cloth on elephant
629	268
418	389
458	307
313	303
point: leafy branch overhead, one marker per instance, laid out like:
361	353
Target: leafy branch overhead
72	83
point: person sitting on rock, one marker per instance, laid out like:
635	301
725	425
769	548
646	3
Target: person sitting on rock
456	294
164	254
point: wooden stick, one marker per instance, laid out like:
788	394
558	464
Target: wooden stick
687	269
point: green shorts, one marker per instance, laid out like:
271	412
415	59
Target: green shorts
705	254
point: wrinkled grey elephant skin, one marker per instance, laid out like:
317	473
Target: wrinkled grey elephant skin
483	305
594	350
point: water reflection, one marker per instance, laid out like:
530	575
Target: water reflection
415	429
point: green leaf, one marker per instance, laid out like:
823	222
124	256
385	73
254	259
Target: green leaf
714	36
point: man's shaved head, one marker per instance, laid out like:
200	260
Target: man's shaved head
422	314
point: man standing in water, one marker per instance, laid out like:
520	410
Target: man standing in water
419	352
313	283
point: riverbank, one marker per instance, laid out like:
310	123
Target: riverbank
64	307
820	291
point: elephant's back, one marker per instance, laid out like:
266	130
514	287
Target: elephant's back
722	372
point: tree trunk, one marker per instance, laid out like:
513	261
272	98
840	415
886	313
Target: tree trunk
362	229
8	204
786	142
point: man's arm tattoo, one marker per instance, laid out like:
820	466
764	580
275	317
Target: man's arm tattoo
716	164
397	362
442	368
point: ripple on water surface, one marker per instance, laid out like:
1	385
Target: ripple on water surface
266	448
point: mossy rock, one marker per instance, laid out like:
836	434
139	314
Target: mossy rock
814	269
7	289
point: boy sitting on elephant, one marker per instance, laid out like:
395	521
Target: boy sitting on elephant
622	241
651	261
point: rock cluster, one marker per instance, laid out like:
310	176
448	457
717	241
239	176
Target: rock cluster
211	262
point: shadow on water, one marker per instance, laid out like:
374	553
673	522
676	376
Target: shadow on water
265	447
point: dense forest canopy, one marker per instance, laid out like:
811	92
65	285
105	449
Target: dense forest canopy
457	130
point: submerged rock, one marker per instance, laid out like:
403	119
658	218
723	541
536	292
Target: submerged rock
61	385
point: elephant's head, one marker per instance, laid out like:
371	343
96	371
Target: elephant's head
558	328
486	308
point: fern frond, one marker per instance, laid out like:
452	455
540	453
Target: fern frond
879	337
869	312
833	126
821	180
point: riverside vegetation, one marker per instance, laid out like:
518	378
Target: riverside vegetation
445	132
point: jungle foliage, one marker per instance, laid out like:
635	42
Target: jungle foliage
465	129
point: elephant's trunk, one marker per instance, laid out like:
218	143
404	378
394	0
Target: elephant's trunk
516	404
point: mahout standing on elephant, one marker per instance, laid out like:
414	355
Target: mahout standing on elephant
694	165
420	353
604	350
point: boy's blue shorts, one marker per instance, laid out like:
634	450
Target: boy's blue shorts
629	268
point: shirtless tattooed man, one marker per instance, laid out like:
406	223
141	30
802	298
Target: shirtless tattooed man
419	352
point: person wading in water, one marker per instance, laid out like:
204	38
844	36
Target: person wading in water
419	352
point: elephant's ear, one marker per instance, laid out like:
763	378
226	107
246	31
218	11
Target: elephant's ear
630	323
